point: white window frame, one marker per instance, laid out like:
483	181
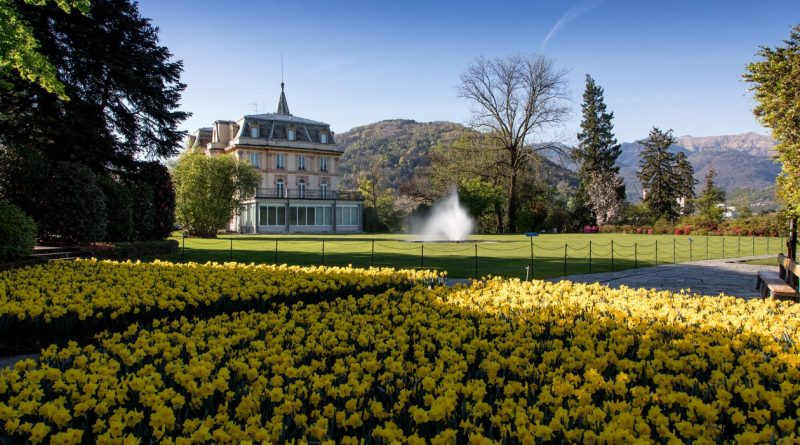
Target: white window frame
301	162
323	138
347	216
323	163
255	159
254	132
280	161
323	189
301	188
291	134
280	186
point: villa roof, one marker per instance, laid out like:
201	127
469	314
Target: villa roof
288	118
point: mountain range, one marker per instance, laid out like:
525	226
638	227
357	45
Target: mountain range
743	163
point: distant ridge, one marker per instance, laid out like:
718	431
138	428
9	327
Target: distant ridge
741	161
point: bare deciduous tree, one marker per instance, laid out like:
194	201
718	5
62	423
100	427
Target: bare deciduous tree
515	97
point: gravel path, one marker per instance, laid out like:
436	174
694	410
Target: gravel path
708	277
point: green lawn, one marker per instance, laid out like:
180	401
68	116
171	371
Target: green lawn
481	255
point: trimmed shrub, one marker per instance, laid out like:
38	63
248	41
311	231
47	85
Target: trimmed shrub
157	176
76	210
17	232
119	207
662	226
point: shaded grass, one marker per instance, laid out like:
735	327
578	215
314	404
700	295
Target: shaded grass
480	255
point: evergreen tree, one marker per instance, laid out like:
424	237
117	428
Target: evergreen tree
710	197
686	183
657	174
597	150
123	89
119	103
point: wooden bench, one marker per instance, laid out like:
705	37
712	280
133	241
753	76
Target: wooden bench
781	284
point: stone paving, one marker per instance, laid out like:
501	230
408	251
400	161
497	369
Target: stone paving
8	362
708	277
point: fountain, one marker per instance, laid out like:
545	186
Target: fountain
448	221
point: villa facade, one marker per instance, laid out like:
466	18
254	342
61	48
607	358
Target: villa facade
298	160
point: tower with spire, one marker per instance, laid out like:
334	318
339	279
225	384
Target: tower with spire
283	107
298	160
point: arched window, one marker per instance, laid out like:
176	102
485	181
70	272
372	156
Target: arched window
281	189
301	188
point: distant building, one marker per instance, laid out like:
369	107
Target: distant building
729	212
299	164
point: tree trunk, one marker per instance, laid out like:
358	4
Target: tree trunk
513	200
498	211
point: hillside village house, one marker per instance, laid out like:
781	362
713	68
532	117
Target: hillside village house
299	164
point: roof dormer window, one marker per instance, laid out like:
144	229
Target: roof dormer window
323	138
253	132
291	134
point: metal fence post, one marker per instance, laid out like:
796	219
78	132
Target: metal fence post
531	265
231	254
476	261
674	255
635	255
690	249
422	255
183	249
612	255
276	250
590	256
738	246
656	252
754	245
768	238
723	247
323	251
372	256
706	246
565	258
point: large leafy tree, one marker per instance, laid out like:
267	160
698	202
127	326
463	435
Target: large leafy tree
209	189
596	153
123	88
776	85
19	49
657	174
515	98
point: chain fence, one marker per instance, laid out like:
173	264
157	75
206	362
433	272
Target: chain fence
477	258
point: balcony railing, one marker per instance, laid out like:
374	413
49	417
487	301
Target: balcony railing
345	195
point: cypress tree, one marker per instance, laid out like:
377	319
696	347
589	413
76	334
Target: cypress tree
686	182
597	149
657	174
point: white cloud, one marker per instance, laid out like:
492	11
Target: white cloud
572	13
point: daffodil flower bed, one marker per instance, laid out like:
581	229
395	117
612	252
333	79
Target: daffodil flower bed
68	300
502	361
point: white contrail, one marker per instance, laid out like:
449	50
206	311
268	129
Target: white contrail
572	13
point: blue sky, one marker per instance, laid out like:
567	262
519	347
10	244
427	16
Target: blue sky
673	64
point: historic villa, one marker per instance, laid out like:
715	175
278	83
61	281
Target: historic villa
299	164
